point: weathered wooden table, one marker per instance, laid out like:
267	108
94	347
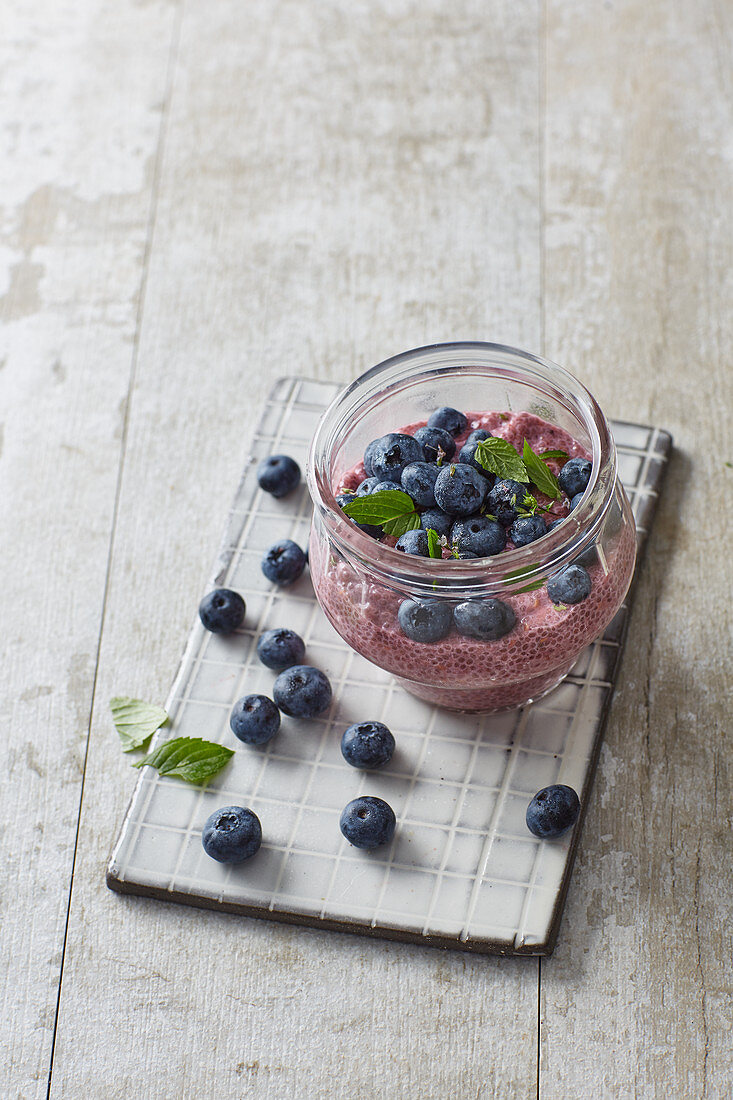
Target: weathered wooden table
198	198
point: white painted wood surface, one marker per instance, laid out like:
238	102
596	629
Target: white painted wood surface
200	198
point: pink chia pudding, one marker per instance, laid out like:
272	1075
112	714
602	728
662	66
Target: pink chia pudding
466	673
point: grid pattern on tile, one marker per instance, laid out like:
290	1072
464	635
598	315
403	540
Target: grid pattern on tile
462	866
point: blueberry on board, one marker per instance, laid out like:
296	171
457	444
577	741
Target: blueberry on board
467	455
503	498
392	453
450	420
437	520
479	535
460	490
278	475
425	620
222	611
574	476
414	542
436	441
368	822
231	834
418	481
487	620
284	562
575	501
254	719
302	691
368	454
365	487
478	435
527	529
280	648
571	585
367	745
553	811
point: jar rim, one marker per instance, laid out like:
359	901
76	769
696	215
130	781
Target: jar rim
510	571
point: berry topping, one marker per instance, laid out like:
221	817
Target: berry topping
418	481
450	420
392	453
425	621
437	520
487	620
575	501
368	455
478	435
367	745
527	529
414	542
574	476
284	562
553	811
478	535
231	834
302	691
368	822
222	611
587	557
467	456
571	585
436	442
367	486
503	499
460	490
254	719
278	475
280	648
345	498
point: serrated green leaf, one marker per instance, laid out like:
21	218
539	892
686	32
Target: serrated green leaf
558	456
382	509
401	524
516	575
189	758
135	720
435	550
539	473
499	457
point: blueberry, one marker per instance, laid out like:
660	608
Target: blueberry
278	475
392	453
527	529
478	435
280	648
302	691
418	481
487	620
254	719
467	456
587	557
368	455
425	620
413	542
460	490
571	585
284	562
231	834
553	811
370	529
367	822
554	522
575	501
436	442
345	498
450	420
222	611
386	486
367	745
574	476
437	520
464	555
479	535
503	498
365	487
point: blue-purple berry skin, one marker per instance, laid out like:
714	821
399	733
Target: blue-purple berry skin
280	648
367	745
460	490
425	621
222	611
254	719
437	520
368	822
478	535
486	620
418	481
437	444
467	455
302	691
553	811
574	476
478	435
393	452
231	834
570	586
527	529
278	475
414	542
503	499
450	420
283	562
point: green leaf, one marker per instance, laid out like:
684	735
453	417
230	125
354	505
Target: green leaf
390	509
528	506
516	576
401	524
435	550
558	456
540	474
188	758
498	456
135	720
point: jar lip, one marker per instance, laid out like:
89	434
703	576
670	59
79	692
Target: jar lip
416	574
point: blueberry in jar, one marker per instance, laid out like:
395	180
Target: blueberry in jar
503	499
368	822
278	475
254	719
367	486
574	476
437	520
425	620
527	529
231	834
414	542
368	455
486	620
553	811
450	420
284	562
478	435
575	501
479	535
280	648
467	456
438	445
345	498
302	691
571	585
222	611
418	481
392	453
367	745
460	490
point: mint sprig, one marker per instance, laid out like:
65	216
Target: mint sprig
135	720
188	758
516	576
435	550
539	473
499	457
557	456
390	509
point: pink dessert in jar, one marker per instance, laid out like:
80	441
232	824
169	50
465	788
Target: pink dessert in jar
469	631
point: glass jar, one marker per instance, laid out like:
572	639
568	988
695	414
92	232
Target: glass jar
360	583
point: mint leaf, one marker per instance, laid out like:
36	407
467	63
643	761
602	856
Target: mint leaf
516	576
400	524
188	758
539	473
528	506
498	456
435	550
558	456
390	509
135	720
